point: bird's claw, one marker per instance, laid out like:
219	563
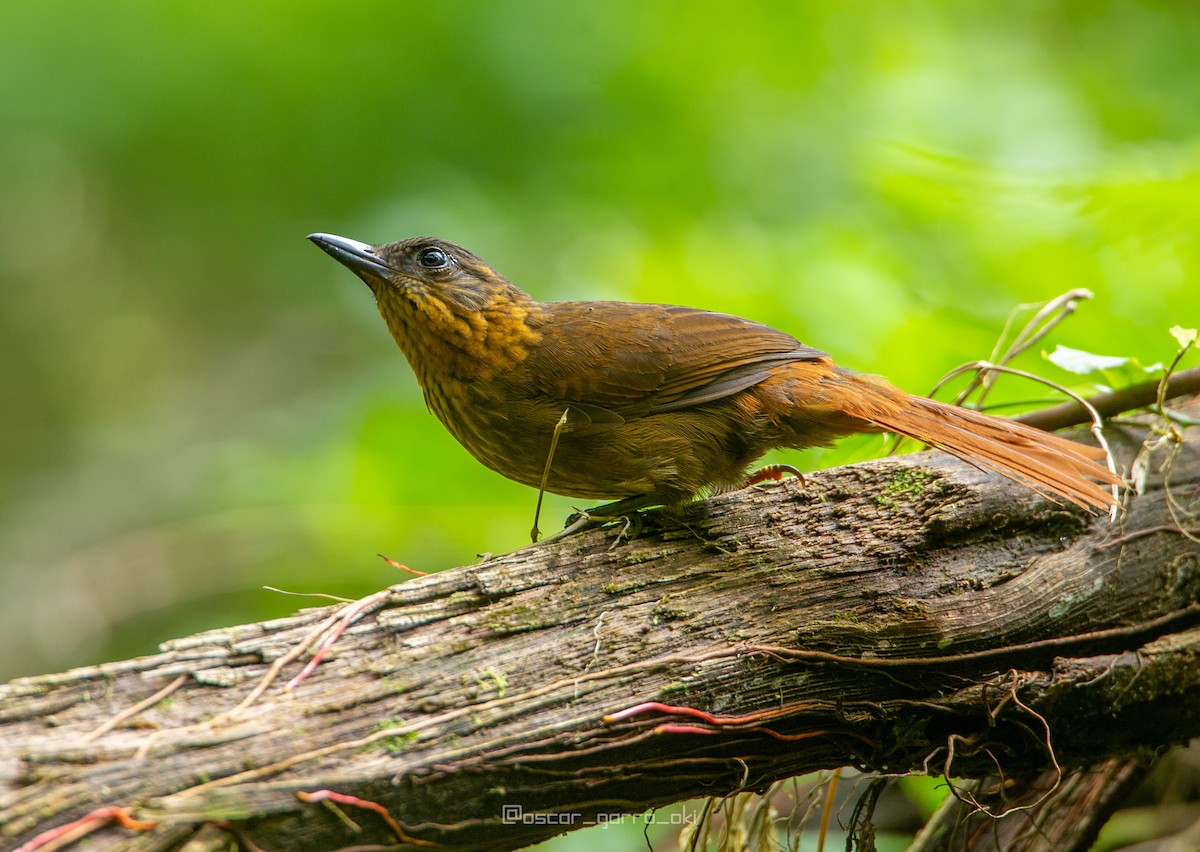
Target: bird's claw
633	521
775	473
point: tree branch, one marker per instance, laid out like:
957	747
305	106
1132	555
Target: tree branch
1113	402
908	614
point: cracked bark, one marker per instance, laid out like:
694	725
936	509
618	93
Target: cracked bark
909	614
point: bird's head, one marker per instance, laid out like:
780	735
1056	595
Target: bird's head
418	270
439	300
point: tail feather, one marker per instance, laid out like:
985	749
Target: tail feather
1052	466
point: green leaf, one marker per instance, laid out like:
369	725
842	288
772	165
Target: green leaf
1078	361
1185	336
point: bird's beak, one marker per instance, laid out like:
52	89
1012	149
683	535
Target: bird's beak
359	258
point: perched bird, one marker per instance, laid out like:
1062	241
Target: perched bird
653	404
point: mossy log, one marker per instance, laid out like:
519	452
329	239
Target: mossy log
903	615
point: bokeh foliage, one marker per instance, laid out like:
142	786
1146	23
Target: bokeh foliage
197	403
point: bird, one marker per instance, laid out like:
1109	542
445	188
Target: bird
654	404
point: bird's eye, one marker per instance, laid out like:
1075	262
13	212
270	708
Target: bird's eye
433	258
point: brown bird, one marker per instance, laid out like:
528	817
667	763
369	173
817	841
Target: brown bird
653	404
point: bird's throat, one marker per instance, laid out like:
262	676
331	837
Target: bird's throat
440	337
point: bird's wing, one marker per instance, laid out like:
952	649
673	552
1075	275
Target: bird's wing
632	359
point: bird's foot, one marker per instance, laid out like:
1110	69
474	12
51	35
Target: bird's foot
576	522
627	510
775	473
630	530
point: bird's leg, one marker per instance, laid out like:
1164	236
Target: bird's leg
537	512
775	472
615	509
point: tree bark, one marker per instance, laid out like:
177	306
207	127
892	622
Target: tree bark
909	614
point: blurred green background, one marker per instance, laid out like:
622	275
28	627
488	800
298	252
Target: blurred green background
196	402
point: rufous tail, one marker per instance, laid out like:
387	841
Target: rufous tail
1052	466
